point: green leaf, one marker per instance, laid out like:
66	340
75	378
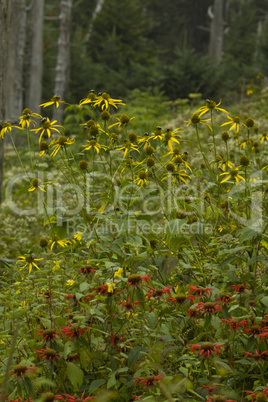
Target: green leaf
264	301
84	286
95	384
184	371
111	382
135	354
75	375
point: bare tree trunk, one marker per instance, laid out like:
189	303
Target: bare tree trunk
63	57
216	31
97	10
33	98
15	60
5	19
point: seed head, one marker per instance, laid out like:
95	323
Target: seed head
178	160
83	165
114	137
149	150
170	167
124	119
225	136
35	182
244	160
48	397
150	162
43	146
142	175
261	397
20	369
90	123
249	123
134	279
43	242
132	137
195	119
94	130
62	140
26	112
105	115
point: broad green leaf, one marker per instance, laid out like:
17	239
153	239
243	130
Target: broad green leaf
75	375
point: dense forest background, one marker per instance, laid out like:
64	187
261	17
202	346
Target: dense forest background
218	48
170	45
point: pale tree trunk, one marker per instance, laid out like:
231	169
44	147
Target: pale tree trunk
216	31
63	57
5	19
14	100
97	10
34	94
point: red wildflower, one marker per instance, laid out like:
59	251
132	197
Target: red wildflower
200	290
48	334
135	397
135	279
234	323
208	307
258	396
116	338
128	305
47	353
239	288
180	298
258	356
87	270
21	369
225	298
219	398
207	349
77	399
255	330
50	397
158	293
73	331
193	312
149	380
210	388
103	289
263	336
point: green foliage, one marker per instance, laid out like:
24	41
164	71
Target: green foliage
142	280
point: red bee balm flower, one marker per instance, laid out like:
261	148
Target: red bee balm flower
234	323
158	293
73	331
219	398
47	354
199	290
207	349
239	288
258	396
22	369
180	298
128	305
208	307
48	334
135	279
87	270
149	380
70	398
258	356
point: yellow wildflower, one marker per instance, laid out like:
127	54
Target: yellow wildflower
30	260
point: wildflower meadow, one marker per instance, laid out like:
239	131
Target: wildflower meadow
143	271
